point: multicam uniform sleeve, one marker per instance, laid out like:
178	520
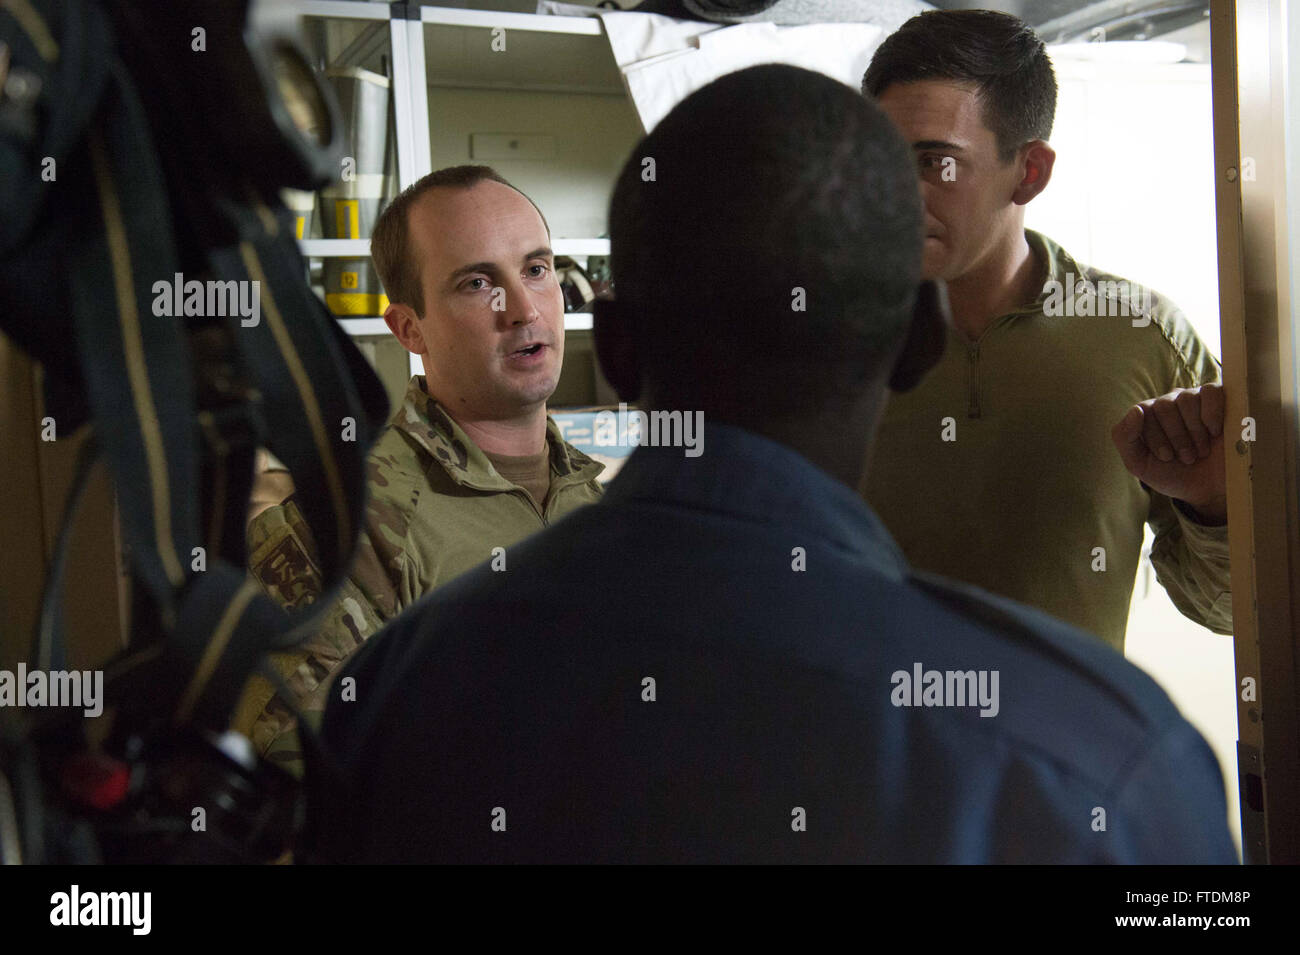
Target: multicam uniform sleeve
1191	559
1191	563
282	559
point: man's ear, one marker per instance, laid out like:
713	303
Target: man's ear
405	326
927	336
1038	161
611	329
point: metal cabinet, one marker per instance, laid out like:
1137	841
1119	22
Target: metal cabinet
537	97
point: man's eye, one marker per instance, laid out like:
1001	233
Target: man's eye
931	162
470	286
537	271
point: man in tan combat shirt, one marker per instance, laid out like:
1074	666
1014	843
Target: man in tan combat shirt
1072	406
470	461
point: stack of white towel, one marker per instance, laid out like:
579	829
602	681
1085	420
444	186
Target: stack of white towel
664	59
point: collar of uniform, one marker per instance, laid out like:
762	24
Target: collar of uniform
1062	269
430	427
756	479
1060	265
568	464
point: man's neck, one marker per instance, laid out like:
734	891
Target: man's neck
519	436
819	438
1009	277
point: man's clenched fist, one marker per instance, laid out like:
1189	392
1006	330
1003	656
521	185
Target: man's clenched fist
1174	444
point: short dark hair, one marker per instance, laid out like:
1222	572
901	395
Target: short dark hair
768	181
999	53
390	242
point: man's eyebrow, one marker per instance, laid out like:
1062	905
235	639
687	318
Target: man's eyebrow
473	267
539	252
937	144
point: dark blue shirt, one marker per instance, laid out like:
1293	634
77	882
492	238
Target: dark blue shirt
728	659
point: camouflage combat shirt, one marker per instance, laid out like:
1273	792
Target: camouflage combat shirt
436	508
1025	495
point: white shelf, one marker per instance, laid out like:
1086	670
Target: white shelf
334	248
364	326
449	16
359	248
344	9
536	23
573	321
580	246
542	58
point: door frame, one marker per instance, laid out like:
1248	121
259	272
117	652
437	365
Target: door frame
1248	75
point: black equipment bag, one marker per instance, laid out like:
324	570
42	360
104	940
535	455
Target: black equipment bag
132	165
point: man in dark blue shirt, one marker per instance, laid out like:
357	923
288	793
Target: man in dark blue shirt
728	658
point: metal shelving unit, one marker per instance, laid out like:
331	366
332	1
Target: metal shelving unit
398	33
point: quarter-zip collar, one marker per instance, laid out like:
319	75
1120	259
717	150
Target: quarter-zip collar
1061	269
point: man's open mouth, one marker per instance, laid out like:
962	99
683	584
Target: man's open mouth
528	349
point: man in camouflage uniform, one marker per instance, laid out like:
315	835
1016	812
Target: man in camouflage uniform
470	462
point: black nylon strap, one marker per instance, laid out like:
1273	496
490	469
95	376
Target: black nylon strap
219	637
320	409
137	365
36	211
72	74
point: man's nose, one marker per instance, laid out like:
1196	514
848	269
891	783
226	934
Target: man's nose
521	308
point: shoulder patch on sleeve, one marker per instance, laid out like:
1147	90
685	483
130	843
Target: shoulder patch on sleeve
282	556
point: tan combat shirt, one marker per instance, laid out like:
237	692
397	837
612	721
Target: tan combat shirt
1029	498
436	508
